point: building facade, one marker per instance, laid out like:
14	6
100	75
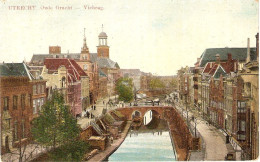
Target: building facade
67	76
17	109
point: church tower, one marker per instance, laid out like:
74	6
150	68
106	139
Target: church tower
103	48
84	55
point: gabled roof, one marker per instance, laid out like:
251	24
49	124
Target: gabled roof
15	69
73	69
101	73
219	71
240	54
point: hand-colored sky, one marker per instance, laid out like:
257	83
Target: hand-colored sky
157	36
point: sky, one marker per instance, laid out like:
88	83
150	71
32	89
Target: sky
157	36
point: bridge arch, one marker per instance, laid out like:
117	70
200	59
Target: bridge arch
136	113
150	115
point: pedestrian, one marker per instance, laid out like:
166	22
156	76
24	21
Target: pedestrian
103	102
94	107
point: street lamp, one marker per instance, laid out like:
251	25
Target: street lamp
187	113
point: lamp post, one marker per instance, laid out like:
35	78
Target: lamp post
187	113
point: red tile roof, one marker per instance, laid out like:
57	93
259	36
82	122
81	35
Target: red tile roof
74	70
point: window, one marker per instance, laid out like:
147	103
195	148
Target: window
243	125
30	100
85	67
241	137
39	89
34	107
241	107
43	89
63	82
6	103
15	131
42	101
15	99
39	104
23	129
23	101
8	123
34	89
247	89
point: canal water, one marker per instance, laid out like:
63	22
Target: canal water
148	146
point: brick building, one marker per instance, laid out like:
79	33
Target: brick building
91	63
17	103
68	77
186	84
102	91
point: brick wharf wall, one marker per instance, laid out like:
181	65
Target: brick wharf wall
13	117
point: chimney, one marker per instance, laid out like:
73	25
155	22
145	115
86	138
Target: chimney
248	51
217	58
229	57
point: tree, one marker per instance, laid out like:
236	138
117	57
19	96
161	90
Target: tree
156	83
124	88
173	83
55	126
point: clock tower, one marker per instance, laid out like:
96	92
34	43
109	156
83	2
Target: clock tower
102	48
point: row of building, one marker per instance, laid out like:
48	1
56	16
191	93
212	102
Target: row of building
223	87
82	77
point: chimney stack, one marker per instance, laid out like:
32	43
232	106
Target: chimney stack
229	57
248	51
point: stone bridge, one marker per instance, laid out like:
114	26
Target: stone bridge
180	133
158	111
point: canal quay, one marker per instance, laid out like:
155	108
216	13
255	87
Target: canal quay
151	133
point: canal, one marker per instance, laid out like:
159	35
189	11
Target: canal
151	145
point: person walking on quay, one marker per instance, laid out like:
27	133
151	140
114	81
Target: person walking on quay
94	107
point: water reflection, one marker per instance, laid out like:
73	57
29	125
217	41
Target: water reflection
145	146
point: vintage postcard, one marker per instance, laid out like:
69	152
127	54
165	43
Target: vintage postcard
136	80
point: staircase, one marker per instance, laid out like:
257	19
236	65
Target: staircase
96	127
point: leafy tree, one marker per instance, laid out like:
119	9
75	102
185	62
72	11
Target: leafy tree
156	83
124	88
173	83
73	151
55	126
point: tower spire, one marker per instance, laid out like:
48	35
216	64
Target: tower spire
84	41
